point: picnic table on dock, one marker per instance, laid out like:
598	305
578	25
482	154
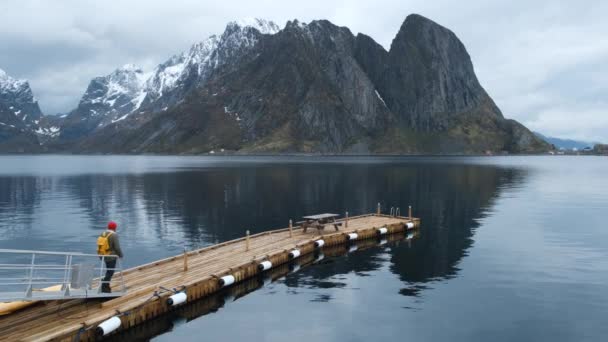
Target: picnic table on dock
319	221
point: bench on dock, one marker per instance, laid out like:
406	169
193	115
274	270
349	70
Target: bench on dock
319	221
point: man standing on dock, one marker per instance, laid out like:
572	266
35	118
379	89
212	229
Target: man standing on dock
108	244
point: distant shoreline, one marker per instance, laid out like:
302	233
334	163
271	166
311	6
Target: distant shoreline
298	155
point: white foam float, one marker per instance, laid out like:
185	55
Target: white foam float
265	265
353	236
319	243
410	225
294	254
177	299
382	230
108	326
226	280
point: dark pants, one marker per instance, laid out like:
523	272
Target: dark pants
110	265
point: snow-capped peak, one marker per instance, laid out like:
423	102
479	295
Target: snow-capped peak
115	95
7	83
127	81
206	56
129	90
17	96
262	25
130	67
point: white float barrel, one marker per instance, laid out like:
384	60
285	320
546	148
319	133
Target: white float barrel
227	280
319	243
265	265
294	254
382	230
353	236
177	298
108	326
409	225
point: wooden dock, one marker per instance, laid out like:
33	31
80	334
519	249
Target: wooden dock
198	273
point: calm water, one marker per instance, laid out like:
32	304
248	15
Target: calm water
512	248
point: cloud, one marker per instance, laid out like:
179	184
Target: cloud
541	61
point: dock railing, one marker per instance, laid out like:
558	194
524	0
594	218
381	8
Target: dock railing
40	275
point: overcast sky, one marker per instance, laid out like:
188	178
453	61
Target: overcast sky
544	62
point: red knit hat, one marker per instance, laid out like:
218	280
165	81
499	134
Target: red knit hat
112	225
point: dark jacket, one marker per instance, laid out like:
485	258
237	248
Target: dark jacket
114	244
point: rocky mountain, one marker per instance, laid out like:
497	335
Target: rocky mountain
108	99
305	88
128	90
19	116
17	96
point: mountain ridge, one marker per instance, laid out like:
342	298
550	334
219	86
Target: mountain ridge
567	144
312	87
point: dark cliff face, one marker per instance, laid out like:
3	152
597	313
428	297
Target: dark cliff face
428	81
430	77
318	88
17	97
306	84
19	116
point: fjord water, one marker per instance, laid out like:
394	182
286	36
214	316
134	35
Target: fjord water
511	248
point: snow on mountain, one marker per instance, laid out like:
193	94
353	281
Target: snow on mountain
179	68
115	94
262	25
129	90
8	83
17	96
51	131
195	66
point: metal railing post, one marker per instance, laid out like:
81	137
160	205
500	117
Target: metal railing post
68	275
28	291
122	279
65	273
102	258
290	228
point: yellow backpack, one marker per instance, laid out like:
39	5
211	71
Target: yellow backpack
103	243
